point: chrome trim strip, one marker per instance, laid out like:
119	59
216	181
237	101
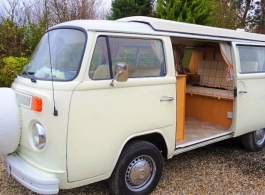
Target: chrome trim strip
203	142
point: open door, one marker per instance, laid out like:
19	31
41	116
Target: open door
249	112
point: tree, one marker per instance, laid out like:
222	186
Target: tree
259	17
65	10
245	10
11	9
125	8
233	14
11	39
262	21
190	11
224	15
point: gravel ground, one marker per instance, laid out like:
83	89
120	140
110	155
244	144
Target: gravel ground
221	168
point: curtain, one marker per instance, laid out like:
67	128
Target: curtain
227	55
103	53
178	54
261	58
157	48
114	50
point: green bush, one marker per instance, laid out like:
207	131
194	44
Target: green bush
8	67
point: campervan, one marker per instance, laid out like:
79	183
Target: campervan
110	100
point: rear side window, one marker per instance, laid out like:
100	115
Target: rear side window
145	57
252	59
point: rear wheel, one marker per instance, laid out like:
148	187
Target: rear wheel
254	141
138	169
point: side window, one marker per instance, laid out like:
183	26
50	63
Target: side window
145	57
99	66
252	59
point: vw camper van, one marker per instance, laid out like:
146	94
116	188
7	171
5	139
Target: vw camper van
109	100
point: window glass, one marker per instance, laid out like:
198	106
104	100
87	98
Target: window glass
144	57
58	55
99	66
252	59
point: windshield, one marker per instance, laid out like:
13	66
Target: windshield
59	54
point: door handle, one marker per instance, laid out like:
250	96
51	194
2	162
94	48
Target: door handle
167	99
242	92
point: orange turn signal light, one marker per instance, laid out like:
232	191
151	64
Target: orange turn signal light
36	104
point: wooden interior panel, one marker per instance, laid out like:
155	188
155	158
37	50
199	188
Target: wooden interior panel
181	94
197	55
209	109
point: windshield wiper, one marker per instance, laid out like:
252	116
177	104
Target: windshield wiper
30	76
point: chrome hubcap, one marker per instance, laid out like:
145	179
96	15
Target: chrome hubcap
140	173
259	136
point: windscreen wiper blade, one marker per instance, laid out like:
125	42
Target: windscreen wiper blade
30	76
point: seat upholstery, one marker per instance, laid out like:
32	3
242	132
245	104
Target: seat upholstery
146	73
213	80
102	72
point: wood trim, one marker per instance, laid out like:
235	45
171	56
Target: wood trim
197	55
209	109
181	96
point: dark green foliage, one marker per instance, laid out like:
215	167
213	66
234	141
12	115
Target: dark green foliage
126	8
190	11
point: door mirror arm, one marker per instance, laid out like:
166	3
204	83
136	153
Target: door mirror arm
121	73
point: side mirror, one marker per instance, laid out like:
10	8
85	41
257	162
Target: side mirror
121	72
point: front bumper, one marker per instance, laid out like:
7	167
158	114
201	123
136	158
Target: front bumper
29	176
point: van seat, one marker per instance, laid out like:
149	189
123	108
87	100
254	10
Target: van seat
102	72
211	92
213	81
146	73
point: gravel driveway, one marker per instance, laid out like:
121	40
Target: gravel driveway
221	168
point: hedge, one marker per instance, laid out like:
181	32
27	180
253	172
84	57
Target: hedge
8	67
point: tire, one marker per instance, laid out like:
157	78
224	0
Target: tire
10	126
254	141
138	169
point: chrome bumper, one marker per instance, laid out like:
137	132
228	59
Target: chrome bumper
32	178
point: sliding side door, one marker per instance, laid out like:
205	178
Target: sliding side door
249	63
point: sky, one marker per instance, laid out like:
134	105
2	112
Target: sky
106	3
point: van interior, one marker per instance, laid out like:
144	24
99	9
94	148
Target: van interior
207	111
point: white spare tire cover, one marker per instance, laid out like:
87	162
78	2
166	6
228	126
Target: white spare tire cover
10	125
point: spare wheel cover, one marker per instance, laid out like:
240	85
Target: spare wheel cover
10	124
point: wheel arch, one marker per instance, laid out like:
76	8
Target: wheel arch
155	137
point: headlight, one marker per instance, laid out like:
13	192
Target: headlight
38	135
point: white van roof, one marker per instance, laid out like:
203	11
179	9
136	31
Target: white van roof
155	26
193	29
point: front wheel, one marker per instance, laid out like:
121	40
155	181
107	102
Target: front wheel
138	169
254	141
